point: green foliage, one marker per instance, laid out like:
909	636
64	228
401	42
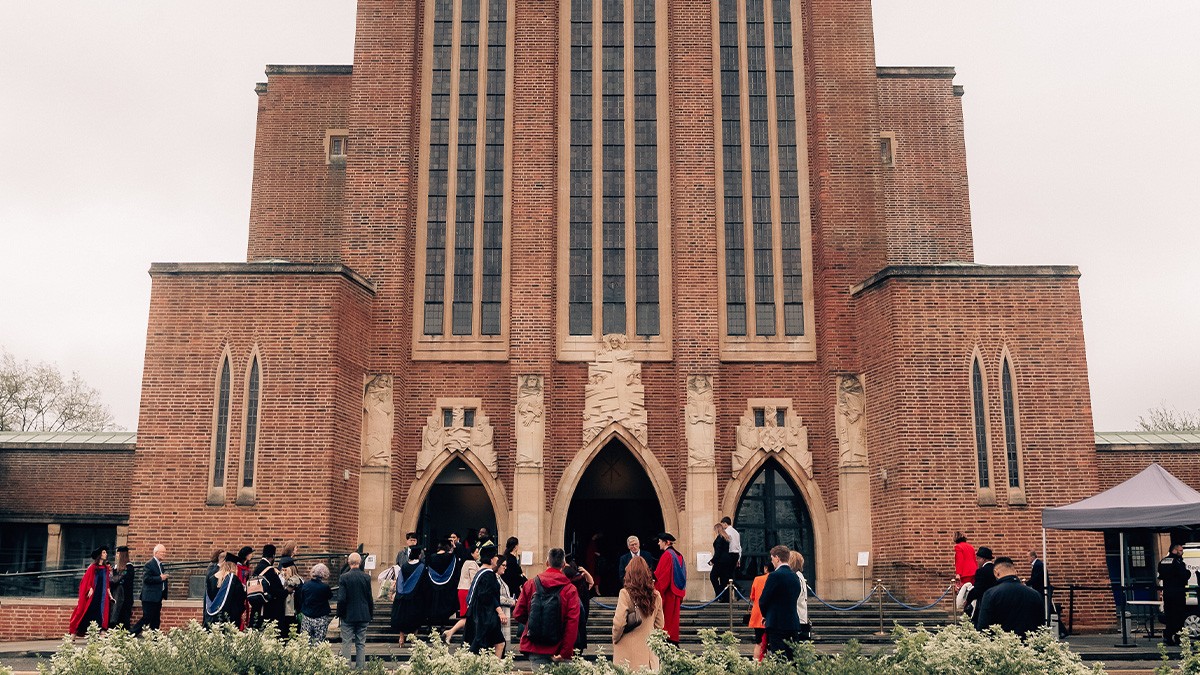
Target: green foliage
195	651
1189	658
435	658
962	649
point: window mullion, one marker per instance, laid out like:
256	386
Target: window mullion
627	81
747	189
597	167
481	82
452	171
773	141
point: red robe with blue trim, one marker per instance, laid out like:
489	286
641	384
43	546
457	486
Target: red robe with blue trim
99	594
670	579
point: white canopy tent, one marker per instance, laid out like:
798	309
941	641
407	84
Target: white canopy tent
1153	499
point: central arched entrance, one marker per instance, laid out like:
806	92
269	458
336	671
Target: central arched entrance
613	499
457	502
772	511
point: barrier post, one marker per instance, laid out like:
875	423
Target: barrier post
878	586
729	601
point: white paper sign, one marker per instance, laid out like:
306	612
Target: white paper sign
703	562
526	558
863	557
369	564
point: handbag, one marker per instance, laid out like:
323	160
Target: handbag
632	621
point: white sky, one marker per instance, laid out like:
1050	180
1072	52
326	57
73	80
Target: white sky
131	133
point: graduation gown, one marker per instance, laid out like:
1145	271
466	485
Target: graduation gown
410	607
94	609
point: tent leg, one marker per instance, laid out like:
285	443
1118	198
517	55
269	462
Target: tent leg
1123	606
1046	581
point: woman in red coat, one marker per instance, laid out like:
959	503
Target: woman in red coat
964	560
94	596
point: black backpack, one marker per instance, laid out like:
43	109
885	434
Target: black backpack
545	615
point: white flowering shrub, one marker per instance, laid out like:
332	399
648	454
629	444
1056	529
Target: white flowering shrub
435	658
1189	657
960	649
195	651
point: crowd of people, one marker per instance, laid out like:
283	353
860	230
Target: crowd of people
991	593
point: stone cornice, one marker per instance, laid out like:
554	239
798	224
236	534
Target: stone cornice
282	268
915	72
275	69
965	271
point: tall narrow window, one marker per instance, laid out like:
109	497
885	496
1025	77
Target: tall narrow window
462	269
980	417
1012	448
220	443
248	457
613	176
762	191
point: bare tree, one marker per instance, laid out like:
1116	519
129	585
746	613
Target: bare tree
1169	420
36	397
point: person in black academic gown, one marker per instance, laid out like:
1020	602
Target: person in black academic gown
443	568
410	607
483	605
225	595
122	589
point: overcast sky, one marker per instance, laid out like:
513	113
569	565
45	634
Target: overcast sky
131	133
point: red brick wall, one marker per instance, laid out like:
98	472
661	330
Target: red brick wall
1117	465
47	619
66	482
296	201
309	329
925	194
919	332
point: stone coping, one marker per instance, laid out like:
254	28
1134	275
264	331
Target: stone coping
965	271
262	268
916	72
278	69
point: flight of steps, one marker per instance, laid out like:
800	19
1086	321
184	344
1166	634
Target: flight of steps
829	626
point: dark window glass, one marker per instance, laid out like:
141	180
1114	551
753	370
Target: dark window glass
771	512
222	430
447	417
1010	425
251	425
981	441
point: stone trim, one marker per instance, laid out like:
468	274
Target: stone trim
263	268
278	69
915	72
965	271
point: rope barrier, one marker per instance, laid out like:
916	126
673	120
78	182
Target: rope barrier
689	607
851	608
923	607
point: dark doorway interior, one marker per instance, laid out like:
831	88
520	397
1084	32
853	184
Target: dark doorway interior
614	499
457	503
771	512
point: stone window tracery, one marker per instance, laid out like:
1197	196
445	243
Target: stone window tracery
252	406
220	436
1012	436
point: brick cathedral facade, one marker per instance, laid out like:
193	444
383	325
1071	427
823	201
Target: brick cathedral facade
573	268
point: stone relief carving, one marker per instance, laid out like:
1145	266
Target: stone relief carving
437	439
850	421
377	421
701	416
531	420
792	437
614	391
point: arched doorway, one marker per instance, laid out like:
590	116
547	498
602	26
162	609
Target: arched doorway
614	499
772	511
457	502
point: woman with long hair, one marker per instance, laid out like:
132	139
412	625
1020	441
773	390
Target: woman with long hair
796	562
94	596
225	596
513	576
122	589
639	601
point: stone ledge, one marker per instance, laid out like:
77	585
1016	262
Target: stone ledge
915	72
265	268
274	69
965	271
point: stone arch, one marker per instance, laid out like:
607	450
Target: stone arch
574	472
418	492
809	490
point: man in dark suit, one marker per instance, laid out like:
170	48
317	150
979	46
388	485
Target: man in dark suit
355	607
154	591
985	578
275	607
635	548
778	603
1010	604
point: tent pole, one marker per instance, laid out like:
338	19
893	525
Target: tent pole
1121	609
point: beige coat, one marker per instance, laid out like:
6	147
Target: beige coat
632	651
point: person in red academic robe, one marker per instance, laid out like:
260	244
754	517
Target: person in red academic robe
964	560
94	596
670	579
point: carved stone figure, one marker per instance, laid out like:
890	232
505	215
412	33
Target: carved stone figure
531	421
614	391
377	421
481	443
477	439
791	438
851	432
701	416
432	436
